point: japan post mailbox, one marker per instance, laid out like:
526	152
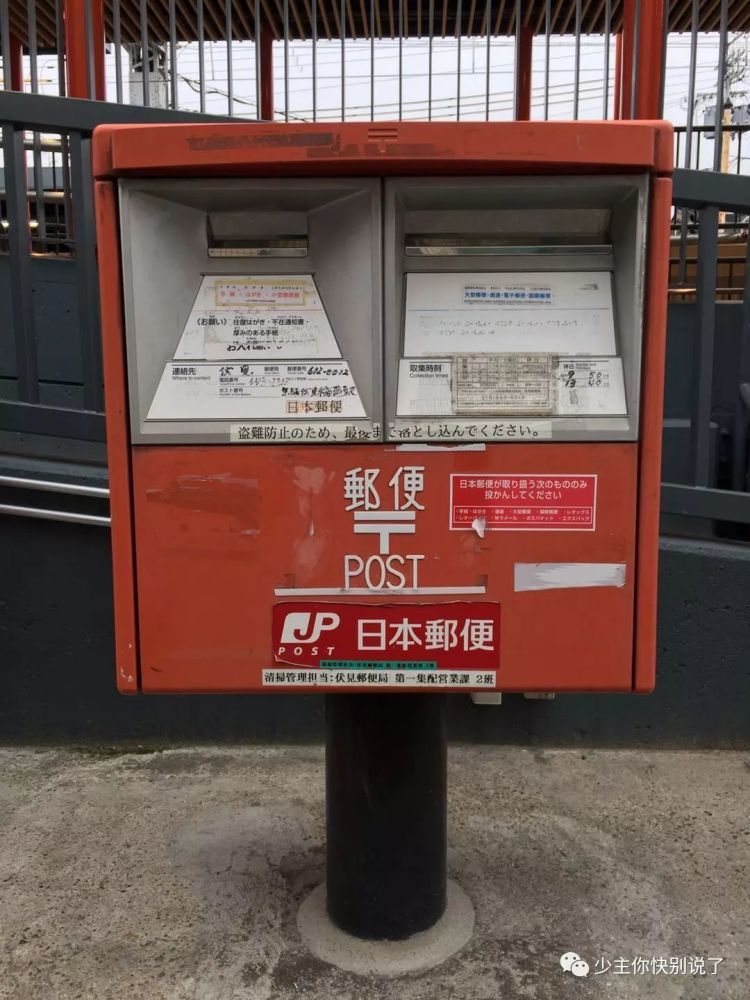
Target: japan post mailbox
384	403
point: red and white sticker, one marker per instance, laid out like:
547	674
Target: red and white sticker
453	644
523	502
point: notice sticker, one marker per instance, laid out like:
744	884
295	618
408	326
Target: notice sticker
259	291
523	502
210	390
529	312
591	387
504	383
257	318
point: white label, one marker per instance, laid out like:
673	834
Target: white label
561	312
377	677
274	432
504	383
424	387
257	318
452	429
211	390
591	386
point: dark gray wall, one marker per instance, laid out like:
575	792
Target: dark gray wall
57	671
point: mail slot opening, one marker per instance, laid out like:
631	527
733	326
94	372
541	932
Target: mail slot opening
255	306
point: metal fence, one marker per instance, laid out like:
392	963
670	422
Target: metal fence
708	196
29	123
340	59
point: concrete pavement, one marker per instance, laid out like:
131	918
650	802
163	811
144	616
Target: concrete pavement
176	875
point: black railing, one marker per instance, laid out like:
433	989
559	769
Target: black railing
29	397
707	196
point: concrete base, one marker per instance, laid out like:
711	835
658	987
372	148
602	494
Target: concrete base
386	958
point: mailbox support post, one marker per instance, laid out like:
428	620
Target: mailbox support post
386	813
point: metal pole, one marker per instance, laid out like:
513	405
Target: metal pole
265	51
386	809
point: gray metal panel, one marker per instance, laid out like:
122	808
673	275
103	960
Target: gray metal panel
613	206
164	252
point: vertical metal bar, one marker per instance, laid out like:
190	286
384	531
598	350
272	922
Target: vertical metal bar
703	346
41	205
617	110
230	74
740	134
33	67
5	43
41	209
721	85
577	63
342	23
740	457
21	302
372	59
201	56
144	55
86	273
60	47
401	59
488	19
431	22
607	42
173	77
691	84
68	212
517	59
89	36
635	63
286	60
547	40
256	29
315	59
117	40
264	52
664	43
459	29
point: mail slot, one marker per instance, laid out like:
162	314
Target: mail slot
384	406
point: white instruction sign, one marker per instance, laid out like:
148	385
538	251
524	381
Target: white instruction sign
213	390
257	318
504	383
527	312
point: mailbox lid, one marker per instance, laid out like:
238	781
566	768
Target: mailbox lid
397	147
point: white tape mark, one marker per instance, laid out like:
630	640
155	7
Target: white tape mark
441	447
479	524
555	576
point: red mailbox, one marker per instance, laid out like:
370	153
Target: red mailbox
384	403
